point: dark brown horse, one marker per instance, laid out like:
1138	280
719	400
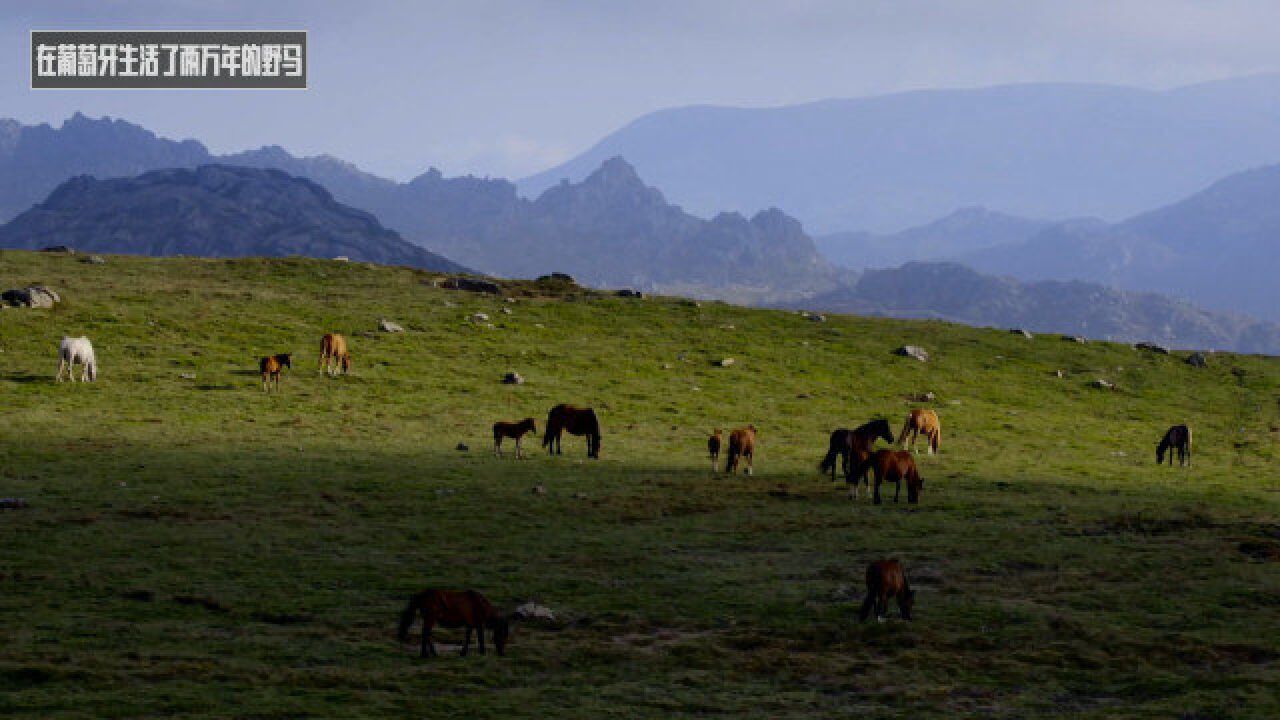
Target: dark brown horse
921	422
742	444
1178	438
575	421
515	430
451	609
892	466
886	579
270	367
713	448
853	446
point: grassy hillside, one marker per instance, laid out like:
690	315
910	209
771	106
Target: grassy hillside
196	547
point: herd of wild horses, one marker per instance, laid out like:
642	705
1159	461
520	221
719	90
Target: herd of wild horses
852	450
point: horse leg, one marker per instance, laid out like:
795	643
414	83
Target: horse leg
877	488
497	445
867	606
71	370
62	364
428	647
480	637
897	486
750	459
519	456
466	642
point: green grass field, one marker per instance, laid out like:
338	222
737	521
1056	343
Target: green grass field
195	547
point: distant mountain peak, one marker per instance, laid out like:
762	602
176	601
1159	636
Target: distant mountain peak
614	172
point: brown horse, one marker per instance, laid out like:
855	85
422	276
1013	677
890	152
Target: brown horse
713	448
1178	438
853	446
886	579
892	466
334	356
451	609
512	430
742	444
922	422
576	421
270	367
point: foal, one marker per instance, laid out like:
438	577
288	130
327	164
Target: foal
270	368
1178	438
886	579
512	430
451	609
713	448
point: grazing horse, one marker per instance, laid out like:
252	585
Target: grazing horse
576	421
334	356
1177	438
922	422
451	609
886	579
892	466
853	446
515	430
742	444
713	448
270	368
77	350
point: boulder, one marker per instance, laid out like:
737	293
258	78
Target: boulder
1152	347
513	378
1103	384
35	296
913	351
342	258
461	447
480	317
629	293
59	249
534	611
1197	359
94	260
539	489
472	285
1075	339
1024	333
389	327
557	277
816	317
724	362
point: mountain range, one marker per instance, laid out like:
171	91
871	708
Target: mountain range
952	292
211	211
884	163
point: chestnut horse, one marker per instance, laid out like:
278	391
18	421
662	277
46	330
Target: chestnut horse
451	609
270	368
576	421
886	579
334	356
892	466
512	430
853	446
713	448
922	422
742	444
1178	438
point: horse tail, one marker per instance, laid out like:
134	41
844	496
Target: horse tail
553	426
406	618
936	438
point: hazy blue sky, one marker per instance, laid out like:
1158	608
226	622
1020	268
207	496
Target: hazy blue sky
509	88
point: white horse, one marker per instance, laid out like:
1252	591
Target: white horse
77	350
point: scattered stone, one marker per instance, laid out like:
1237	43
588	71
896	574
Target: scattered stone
803	396
187	376
629	293
389	327
724	362
461	447
59	249
12	503
34	296
513	378
342	258
816	317
1152	347
727	327
480	317
472	285
1103	384
913	351
579	496
508	299
539	489
667	366
923	397
506	311
1197	359
1024	333
534	611
94	260
1060	373
1075	339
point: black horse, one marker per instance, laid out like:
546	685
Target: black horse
575	421
853	446
1176	438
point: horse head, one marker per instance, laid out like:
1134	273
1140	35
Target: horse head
501	628
286	360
